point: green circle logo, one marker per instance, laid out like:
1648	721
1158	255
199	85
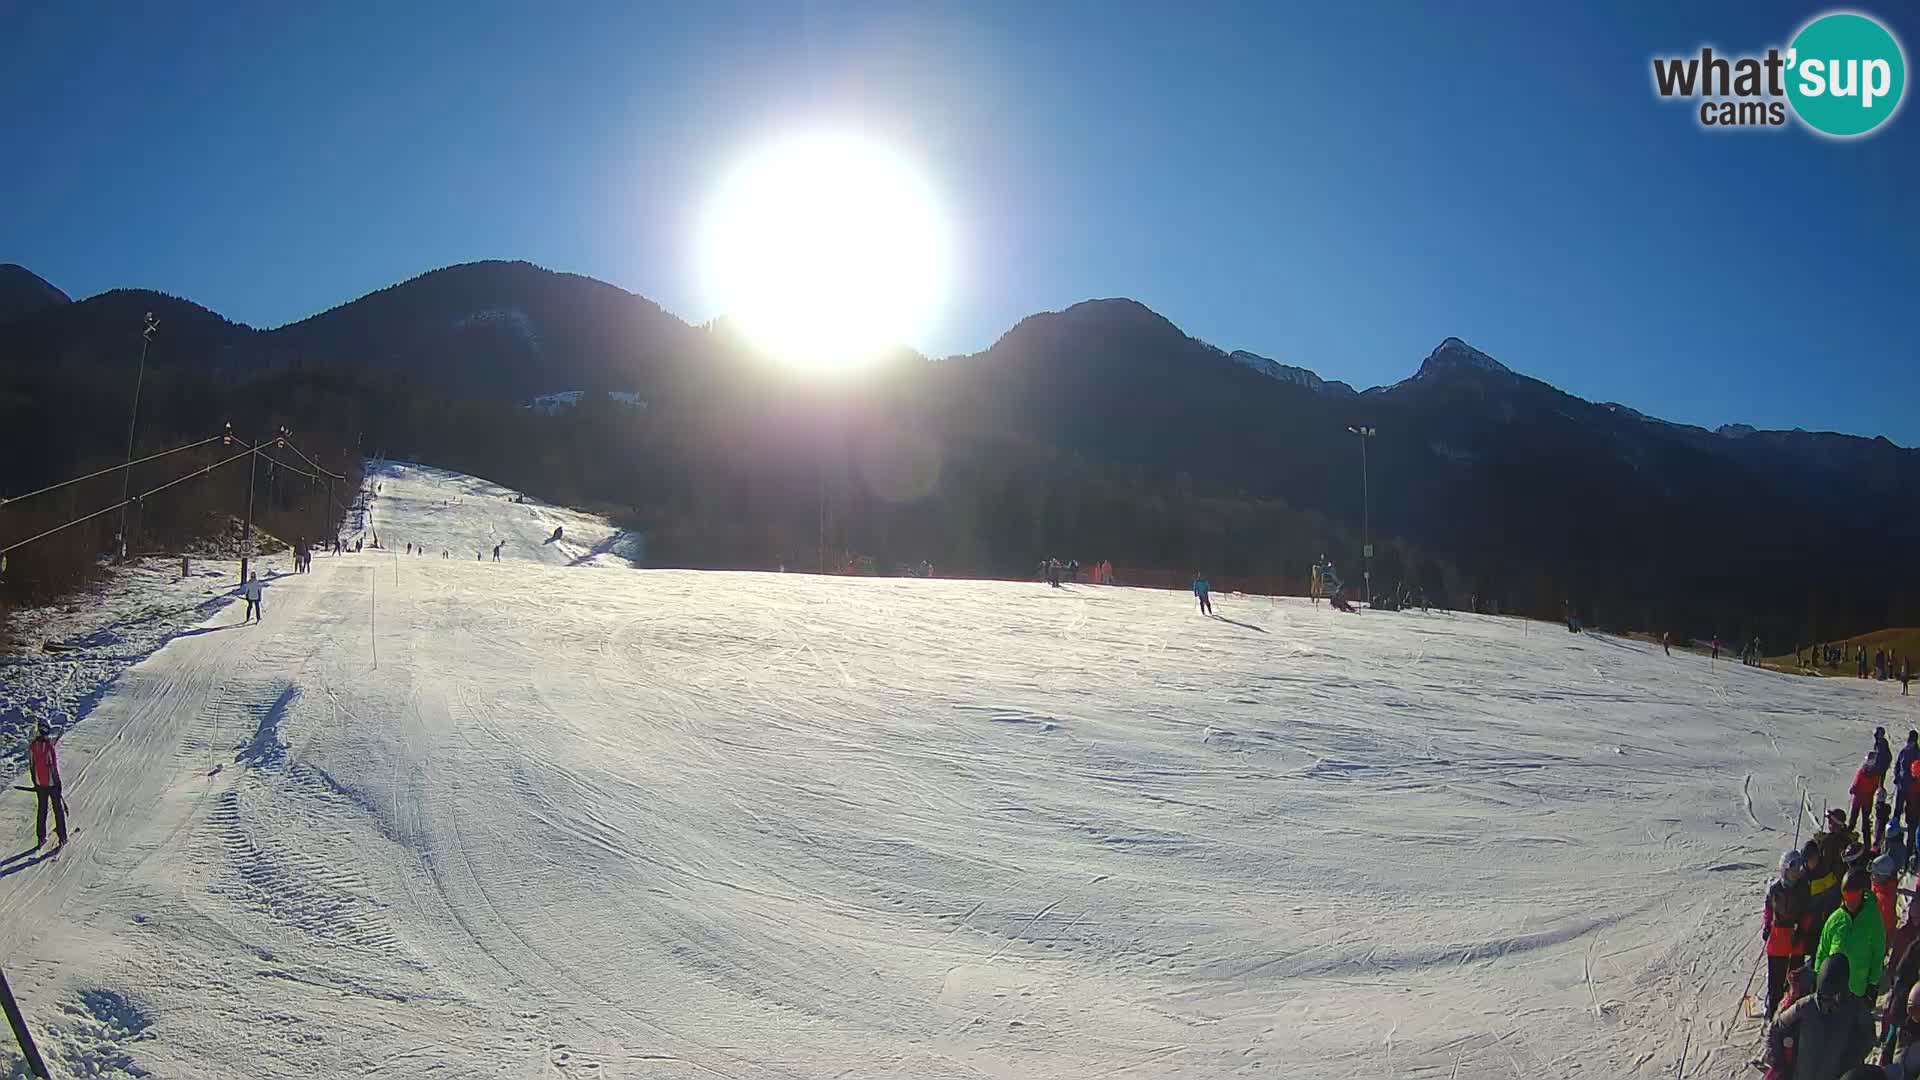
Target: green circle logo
1845	74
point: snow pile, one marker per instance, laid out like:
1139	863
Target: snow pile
444	818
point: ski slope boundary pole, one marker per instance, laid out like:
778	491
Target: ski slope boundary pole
20	1033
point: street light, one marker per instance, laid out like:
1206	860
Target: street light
126	471
1366	513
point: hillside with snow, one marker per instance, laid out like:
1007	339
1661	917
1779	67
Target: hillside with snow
448	515
447	817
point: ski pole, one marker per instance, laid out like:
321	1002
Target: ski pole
1755	971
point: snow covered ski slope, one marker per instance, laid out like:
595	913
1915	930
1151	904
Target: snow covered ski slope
440	818
460	517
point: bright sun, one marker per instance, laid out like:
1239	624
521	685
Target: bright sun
826	249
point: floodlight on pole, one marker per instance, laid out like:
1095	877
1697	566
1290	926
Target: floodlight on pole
1366	512
126	471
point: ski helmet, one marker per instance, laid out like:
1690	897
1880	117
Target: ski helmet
1792	863
1885	867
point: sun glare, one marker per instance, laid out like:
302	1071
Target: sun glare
825	249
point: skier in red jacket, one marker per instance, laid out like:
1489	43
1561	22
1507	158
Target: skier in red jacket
46	786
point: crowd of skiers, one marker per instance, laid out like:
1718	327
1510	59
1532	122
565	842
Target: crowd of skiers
1056	573
1837	940
1883	664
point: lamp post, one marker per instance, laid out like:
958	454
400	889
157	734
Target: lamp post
1366	513
126	471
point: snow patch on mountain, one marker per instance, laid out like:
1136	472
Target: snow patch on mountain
549	404
1287	373
1456	355
511	319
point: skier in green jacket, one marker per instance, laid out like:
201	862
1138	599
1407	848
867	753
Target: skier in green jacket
1856	931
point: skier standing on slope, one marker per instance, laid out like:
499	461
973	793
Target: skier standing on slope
1200	590
1666	643
1900	1048
1835	839
1910	824
1823	1035
1903	768
1856	932
1786	925
46	787
1866	784
496	550
1882	753
1823	890
1886	893
251	590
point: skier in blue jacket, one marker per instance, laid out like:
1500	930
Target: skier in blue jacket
1902	770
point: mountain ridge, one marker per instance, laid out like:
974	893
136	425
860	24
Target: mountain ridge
309	338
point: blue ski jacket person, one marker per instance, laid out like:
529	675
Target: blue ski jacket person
1903	770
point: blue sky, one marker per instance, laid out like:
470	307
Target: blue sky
1334	186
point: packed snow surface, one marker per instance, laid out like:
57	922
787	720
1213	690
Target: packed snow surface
448	515
444	818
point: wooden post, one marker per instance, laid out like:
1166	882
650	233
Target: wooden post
27	1050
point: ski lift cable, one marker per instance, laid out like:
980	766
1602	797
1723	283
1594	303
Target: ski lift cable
128	501
277	463
310	461
8	500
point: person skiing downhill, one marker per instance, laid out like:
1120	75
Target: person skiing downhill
46	787
1200	590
